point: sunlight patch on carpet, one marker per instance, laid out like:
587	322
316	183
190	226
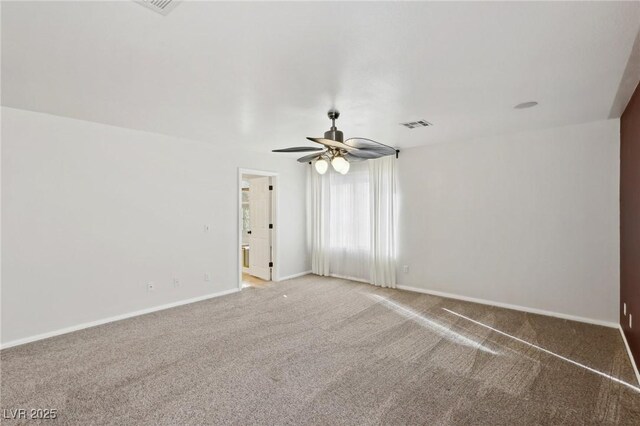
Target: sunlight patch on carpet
442	330
586	367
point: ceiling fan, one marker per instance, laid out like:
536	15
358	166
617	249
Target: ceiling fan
339	152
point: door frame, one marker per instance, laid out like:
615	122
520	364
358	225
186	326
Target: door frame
274	219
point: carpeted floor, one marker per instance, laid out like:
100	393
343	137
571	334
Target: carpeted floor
328	351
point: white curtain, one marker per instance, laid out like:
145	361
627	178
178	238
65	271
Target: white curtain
349	223
319	224
384	221
353	222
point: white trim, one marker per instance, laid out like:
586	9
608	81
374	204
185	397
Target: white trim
344	277
631	359
244	171
510	306
290	277
114	318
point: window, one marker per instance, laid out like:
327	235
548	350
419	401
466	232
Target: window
350	219
353	222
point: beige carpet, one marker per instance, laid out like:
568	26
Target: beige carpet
328	351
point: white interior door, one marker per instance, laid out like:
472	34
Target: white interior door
260	236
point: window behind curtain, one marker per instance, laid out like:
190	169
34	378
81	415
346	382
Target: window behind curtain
350	219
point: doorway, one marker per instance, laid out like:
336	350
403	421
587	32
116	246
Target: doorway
256	227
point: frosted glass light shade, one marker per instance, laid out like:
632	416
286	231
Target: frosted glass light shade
340	165
322	166
345	168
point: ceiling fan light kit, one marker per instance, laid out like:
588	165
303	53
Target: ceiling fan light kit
339	151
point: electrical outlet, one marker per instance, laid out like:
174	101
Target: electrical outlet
207	276
207	228
176	282
624	308
151	286
630	321
405	268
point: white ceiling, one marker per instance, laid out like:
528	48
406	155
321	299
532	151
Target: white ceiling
263	75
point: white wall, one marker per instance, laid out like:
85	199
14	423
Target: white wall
529	219
91	213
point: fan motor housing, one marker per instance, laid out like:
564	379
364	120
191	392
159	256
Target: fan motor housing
334	134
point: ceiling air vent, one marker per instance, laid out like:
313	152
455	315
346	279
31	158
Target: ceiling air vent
161	6
414	124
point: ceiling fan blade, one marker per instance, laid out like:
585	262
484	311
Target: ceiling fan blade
353	159
298	149
332	143
310	157
369	145
366	154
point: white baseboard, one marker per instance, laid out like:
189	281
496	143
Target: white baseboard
344	277
289	277
509	306
626	345
114	318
